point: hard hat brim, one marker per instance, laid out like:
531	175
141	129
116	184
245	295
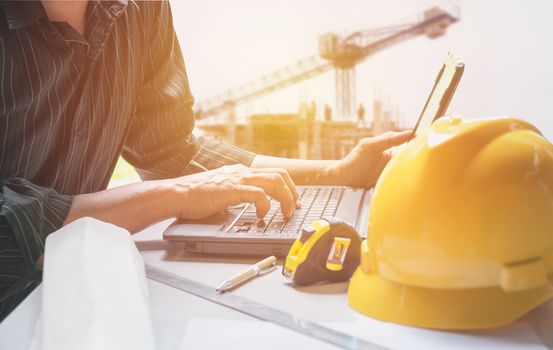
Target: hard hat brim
450	309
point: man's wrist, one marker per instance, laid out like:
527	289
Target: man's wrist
329	174
179	192
302	171
315	172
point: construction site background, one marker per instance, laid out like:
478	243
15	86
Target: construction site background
306	134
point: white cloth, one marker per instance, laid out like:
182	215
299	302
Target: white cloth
94	291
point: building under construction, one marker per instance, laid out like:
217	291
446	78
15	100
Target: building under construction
302	135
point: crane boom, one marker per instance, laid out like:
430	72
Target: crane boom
284	77
335	52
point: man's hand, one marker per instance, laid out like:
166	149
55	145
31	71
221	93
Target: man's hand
207	193
138	205
363	165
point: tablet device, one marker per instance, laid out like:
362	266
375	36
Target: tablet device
444	87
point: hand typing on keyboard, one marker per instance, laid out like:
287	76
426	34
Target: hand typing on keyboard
206	193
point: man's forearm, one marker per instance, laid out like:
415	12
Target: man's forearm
302	171
134	207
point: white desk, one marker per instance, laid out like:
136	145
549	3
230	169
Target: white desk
183	321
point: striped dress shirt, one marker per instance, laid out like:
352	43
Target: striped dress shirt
70	105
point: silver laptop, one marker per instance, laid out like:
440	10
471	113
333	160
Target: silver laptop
238	231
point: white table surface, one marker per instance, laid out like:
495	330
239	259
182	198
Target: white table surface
183	321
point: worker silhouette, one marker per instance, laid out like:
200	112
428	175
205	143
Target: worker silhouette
328	113
361	115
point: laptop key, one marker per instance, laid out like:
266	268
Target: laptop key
234	229
297	221
258	228
291	228
312	216
277	226
248	216
316	211
243	222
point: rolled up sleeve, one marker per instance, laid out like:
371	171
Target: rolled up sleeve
212	154
160	143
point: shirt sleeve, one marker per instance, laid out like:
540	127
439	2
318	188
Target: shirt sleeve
31	212
160	143
28	214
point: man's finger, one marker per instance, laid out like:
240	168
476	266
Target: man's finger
275	186
256	195
287	179
388	140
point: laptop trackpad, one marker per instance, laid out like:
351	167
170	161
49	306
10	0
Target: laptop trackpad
199	229
204	227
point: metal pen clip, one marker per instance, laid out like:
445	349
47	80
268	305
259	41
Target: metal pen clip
267	269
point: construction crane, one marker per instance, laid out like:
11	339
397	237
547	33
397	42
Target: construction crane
335	52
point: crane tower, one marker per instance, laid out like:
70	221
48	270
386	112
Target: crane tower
341	53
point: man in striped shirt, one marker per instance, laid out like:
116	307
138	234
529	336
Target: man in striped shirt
85	82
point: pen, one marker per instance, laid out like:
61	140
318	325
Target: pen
255	270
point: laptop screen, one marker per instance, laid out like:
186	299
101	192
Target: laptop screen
440	96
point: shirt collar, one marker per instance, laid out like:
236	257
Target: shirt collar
21	14
115	7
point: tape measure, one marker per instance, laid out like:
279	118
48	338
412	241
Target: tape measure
259	311
326	251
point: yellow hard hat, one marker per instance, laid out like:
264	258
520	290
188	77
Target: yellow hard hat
461	228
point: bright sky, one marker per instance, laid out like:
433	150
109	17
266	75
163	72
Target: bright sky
506	46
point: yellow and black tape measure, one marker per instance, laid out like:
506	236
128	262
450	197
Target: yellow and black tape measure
327	251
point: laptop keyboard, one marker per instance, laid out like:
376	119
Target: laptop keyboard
316	203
